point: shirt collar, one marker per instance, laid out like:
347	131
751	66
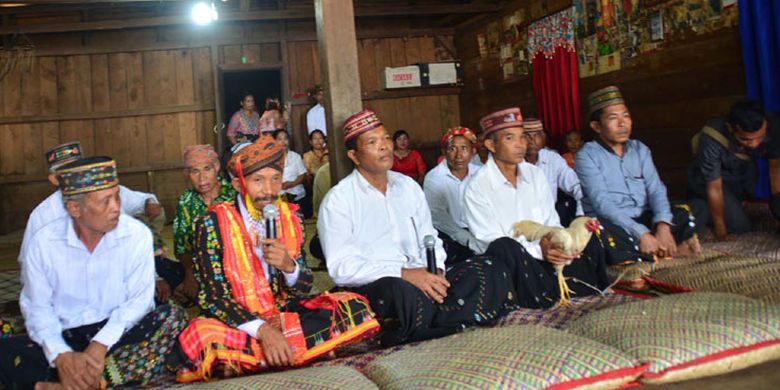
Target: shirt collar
448	171
365	186
626	146
497	178
109	240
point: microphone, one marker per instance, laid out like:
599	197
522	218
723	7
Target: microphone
430	253
269	213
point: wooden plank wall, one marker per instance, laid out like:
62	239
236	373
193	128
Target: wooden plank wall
671	93
423	117
141	108
142	95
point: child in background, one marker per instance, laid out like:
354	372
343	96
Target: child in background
573	144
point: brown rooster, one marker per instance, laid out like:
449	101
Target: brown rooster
571	241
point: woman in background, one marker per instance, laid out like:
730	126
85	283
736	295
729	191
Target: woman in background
244	124
406	160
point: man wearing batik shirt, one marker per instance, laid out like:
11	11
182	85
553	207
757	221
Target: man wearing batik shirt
508	190
255	289
444	186
88	296
201	166
624	191
373	226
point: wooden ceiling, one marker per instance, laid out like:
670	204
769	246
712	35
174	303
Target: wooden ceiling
88	15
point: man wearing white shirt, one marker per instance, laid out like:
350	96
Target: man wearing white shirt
133	203
88	295
564	183
507	190
444	186
315	117
373	226
255	287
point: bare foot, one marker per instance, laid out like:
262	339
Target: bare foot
49	386
689	248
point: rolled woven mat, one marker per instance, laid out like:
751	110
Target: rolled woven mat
686	336
632	275
754	277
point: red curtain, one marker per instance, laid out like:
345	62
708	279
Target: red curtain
557	90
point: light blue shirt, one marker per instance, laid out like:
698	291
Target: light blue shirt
620	189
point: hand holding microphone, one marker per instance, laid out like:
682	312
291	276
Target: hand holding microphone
274	252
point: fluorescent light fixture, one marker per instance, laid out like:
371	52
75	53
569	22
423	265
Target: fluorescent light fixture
204	13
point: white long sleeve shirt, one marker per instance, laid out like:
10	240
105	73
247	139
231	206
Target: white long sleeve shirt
493	204
367	235
52	208
444	192
65	286
315	119
251	327
560	176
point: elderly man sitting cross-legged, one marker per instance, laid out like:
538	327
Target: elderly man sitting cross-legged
88	296
255	288
373	225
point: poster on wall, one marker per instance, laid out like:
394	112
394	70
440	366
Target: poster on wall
636	27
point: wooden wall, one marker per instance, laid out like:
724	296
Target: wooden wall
423	113
142	95
671	92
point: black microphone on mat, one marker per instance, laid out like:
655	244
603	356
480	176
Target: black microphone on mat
269	213
430	253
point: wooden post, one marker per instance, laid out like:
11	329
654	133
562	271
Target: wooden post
339	64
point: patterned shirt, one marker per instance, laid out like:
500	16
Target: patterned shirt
190	208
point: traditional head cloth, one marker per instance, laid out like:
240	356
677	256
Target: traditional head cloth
532	125
63	154
458	131
360	123
604	97
510	117
88	175
264	153
195	154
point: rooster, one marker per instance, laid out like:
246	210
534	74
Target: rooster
571	241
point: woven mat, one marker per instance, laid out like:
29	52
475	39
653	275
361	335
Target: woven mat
754	277
10	287
558	316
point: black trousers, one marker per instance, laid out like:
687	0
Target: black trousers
456	252
566	207
480	293
621	246
22	362
534	280
734	192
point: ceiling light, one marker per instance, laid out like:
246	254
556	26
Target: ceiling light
204	13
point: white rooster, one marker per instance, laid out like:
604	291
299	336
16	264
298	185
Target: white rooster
571	240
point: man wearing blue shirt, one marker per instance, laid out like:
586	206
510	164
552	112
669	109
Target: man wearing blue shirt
622	188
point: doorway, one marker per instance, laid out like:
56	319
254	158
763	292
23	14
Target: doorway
261	83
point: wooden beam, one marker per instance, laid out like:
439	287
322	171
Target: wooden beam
393	94
160	110
154	167
243	67
286	14
340	74
389	33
